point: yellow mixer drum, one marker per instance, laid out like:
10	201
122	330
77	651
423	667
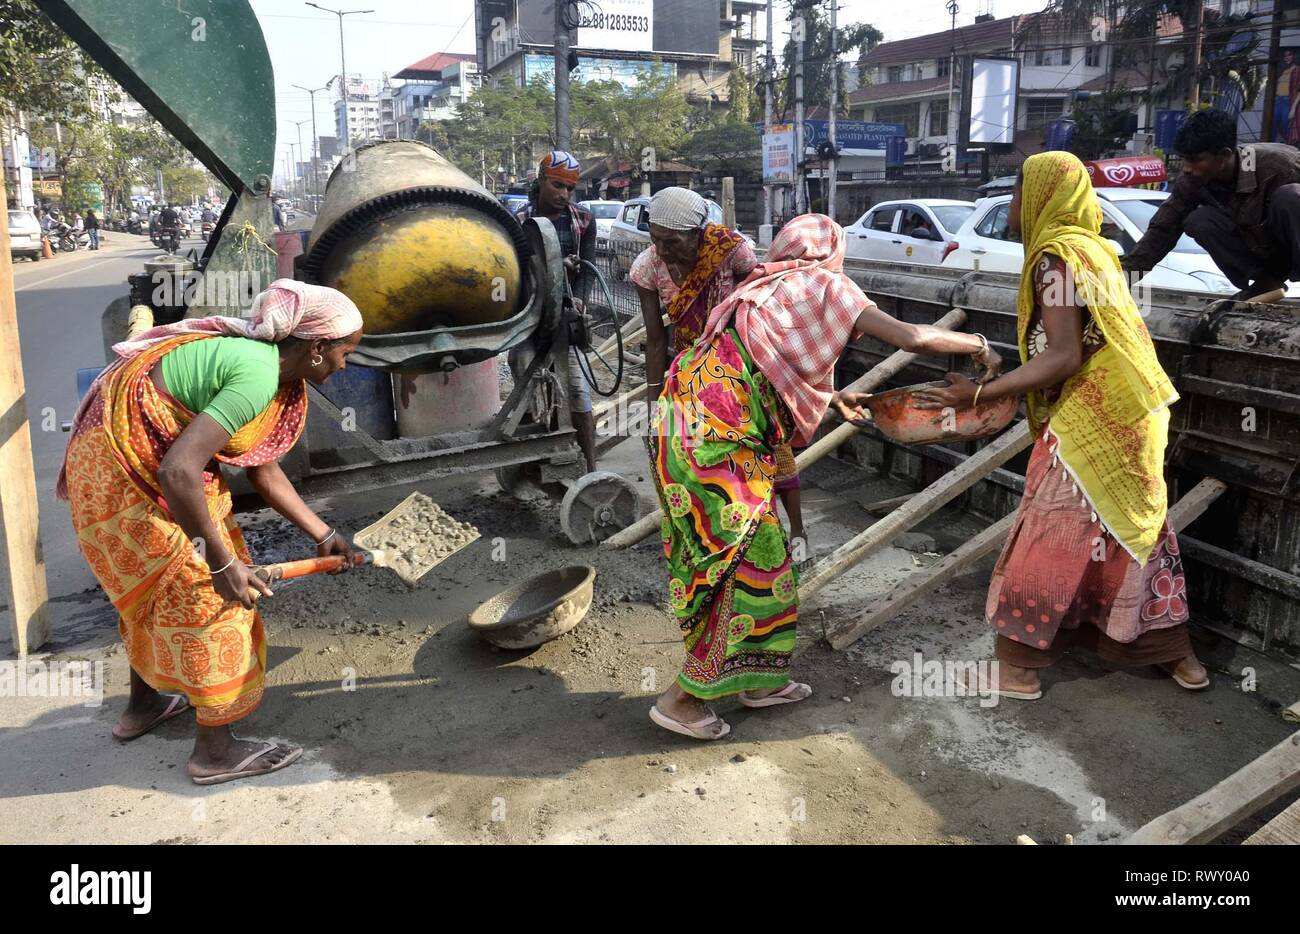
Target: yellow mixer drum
415	242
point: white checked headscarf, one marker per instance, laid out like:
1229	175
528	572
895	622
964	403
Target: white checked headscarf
678	209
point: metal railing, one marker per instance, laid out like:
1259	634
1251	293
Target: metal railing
613	258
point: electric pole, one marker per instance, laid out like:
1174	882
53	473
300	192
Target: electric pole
562	75
343	64
769	87
315	177
830	124
800	26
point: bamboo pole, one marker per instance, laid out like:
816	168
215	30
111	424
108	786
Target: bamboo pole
20	535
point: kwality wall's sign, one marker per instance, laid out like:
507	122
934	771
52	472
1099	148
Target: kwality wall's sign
1127	172
854	137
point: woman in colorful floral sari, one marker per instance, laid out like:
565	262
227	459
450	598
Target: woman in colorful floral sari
153	513
1091	559
759	377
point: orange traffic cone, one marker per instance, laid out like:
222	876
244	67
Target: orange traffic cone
46	250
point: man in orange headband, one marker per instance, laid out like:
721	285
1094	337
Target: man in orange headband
557	176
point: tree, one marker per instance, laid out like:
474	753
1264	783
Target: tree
728	147
1229	47
1100	125
184	183
42	71
817	63
627	121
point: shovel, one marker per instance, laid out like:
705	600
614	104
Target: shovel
410	540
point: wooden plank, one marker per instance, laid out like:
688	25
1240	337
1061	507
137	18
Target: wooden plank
885	506
912	588
1238	796
844	633
882	372
20	536
1283	829
1189	508
924	504
1258	573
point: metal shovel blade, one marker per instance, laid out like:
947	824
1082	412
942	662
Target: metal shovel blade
415	537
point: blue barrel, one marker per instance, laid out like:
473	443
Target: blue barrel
86	376
366	396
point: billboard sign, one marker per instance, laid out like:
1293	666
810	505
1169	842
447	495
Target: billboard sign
778	154
854	137
617	25
990	101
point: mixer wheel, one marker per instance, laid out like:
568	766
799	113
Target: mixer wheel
522	481
598	505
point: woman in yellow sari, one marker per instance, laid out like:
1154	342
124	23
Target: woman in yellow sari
152	511
1091	559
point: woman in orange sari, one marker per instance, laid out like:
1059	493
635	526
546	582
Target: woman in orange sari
152	511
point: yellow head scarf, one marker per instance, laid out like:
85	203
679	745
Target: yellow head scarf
1111	420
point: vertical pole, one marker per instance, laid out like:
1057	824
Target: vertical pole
562	131
729	202
343	64
1266	127
20	537
1194	101
835	103
769	86
800	202
951	136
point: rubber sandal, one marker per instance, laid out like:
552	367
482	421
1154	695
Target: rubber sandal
696	730
1171	670
175	707
243	771
983	689
783	696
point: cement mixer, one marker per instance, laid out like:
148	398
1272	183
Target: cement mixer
447	279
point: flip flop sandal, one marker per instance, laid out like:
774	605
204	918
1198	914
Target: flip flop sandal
699	729
1172	671
983	688
175	707
783	696
243	771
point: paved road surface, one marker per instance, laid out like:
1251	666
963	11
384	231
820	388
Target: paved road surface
60	301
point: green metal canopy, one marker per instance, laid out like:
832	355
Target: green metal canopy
199	66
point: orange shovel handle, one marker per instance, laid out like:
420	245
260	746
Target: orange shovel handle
288	570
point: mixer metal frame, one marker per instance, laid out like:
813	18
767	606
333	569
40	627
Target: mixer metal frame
506	442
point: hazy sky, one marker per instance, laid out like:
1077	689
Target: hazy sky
304	42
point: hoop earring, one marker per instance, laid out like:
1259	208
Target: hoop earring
317	360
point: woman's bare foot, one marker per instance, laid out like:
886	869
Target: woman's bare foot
1188	672
145	709
676	704
218	752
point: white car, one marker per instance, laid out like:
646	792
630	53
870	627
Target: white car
920	230
604	212
24	235
1125	215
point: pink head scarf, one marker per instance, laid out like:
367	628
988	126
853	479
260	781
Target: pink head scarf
287	308
795	313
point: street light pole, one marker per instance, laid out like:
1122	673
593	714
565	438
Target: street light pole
343	64
315	178
298	124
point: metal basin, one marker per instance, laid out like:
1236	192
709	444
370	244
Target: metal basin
538	610
896	415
